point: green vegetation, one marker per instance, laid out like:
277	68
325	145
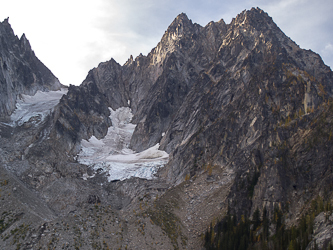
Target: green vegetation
3	183
6	219
19	233
230	233
253	181
162	215
241	234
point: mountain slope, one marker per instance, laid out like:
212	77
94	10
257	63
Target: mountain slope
242	111
225	100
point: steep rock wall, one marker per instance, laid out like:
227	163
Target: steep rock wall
20	70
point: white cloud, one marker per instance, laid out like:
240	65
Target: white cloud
327	54
329	48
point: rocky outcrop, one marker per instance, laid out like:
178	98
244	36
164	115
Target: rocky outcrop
249	112
322	231
20	70
52	151
239	92
81	114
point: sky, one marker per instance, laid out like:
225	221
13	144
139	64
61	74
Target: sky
73	36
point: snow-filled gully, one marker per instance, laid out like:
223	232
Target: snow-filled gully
112	155
38	106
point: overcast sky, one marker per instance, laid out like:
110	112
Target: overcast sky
73	36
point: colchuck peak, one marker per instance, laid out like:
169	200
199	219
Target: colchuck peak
182	16
180	22
244	114
255	17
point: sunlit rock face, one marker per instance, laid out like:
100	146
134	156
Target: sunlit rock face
20	70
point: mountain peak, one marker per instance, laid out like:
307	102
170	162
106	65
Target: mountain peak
182	16
25	44
6	29
180	21
6	20
20	70
254	18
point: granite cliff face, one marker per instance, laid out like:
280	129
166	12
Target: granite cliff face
21	71
246	117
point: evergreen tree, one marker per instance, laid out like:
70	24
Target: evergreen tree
256	219
265	224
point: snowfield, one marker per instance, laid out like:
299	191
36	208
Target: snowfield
112	155
38	106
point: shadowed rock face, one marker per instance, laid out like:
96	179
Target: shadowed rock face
244	113
20	70
83	113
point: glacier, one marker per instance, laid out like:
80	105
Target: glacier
113	156
37	106
110	154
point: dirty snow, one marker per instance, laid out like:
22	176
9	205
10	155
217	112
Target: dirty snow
112	155
37	106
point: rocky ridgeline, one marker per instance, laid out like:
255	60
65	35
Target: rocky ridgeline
20	70
245	115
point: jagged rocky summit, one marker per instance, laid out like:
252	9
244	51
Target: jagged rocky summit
21	72
245	116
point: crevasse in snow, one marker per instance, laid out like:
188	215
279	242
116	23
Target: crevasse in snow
112	155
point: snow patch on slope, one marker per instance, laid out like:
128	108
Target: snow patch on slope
38	106
112	155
